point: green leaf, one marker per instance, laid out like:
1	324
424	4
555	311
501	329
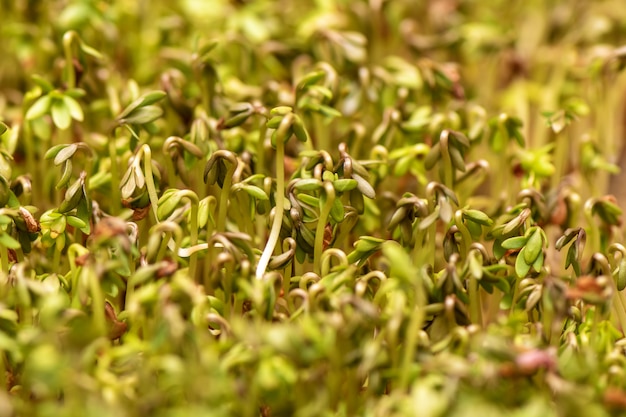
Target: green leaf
310	78
145	100
66	176
45	85
299	130
52	152
432	157
61	114
534	246
521	267
74	108
75	222
255	192
142	115
538	262
477	216
572	257
345	184
167	204
329	111
513	243
337	211
62	154
364	187
83	213
308	184
8	242
308	199
39	108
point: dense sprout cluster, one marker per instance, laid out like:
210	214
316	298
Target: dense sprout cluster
312	208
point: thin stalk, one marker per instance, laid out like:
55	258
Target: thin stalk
152	194
29	151
163	247
115	178
97	301
329	190
619	305
280	200
260	163
321	133
70	76
224	197
593	237
193	233
466	236
415	325
447	167
4	260
73	251
561	157
56	257
228	291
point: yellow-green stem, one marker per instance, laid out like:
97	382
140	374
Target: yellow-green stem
329	190
115	185
278	213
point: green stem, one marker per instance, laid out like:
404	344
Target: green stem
56	257
73	251
4	260
224	197
447	168
97	302
152	194
474	300
561	156
321	133
29	150
163	247
593	237
228	291
70	76
327	205
466	236
415	324
193	259
260	157
115	179
278	213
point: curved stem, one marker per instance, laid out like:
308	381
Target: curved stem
321	226
326	260
163	247
193	233
278	213
467	237
152	194
224	196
